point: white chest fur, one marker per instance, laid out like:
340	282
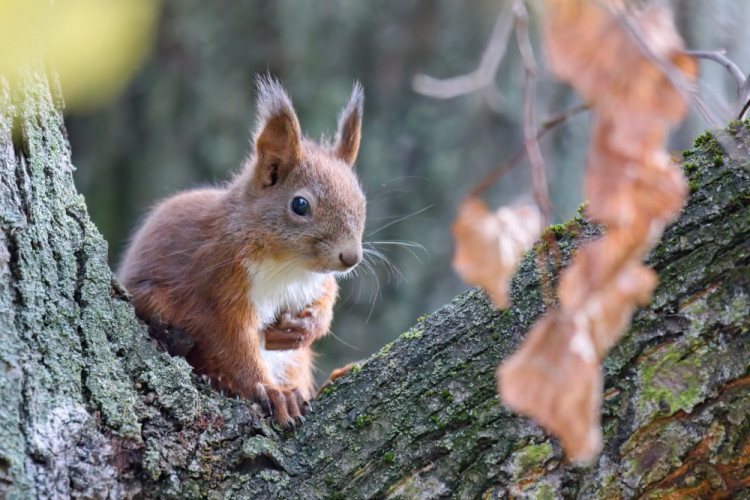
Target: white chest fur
281	286
276	287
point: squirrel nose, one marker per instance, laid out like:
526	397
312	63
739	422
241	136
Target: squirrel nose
350	258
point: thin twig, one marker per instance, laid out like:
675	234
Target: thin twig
719	57
744	98
743	110
499	171
518	155
536	160
560	117
683	86
742	81
484	75
706	112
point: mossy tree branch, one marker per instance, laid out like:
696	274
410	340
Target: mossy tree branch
89	407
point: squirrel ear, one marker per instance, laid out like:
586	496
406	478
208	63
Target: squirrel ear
277	134
350	127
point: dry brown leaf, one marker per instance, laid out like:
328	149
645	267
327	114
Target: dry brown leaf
610	311
536	380
490	244
588	47
607	311
559	362
632	187
598	264
623	189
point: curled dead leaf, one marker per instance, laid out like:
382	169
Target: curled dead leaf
607	311
629	189
632	187
490	244
538	380
591	273
588	46
555	375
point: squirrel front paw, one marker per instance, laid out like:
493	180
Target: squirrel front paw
291	332
288	407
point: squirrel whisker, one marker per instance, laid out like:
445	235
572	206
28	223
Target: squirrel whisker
400	219
407	245
392	269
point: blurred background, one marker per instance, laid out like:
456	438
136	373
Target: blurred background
184	118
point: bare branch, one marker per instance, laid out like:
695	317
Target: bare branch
519	154
743	98
484	75
719	57
742	81
686	89
536	160
560	117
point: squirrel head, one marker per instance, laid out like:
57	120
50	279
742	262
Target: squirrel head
302	199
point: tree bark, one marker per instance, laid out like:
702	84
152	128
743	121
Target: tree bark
91	408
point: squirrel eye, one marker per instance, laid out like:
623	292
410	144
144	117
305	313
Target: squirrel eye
300	206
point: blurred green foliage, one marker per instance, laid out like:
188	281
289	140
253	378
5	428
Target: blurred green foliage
185	120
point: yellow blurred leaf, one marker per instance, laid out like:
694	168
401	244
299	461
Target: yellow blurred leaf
95	46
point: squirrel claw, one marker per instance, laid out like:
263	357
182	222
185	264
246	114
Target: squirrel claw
286	406
261	396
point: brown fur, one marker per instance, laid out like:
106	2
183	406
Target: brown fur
189	261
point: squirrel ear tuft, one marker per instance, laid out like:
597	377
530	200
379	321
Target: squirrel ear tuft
349	131
277	134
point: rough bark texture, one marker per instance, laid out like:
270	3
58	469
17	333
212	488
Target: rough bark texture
90	408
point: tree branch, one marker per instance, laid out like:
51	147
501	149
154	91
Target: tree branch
536	160
546	126
718	56
483	76
686	89
89	408
742	82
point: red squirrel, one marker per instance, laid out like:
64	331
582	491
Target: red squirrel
248	271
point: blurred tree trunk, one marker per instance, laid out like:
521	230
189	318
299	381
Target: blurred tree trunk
89	408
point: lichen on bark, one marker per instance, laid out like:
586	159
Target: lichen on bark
90	407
